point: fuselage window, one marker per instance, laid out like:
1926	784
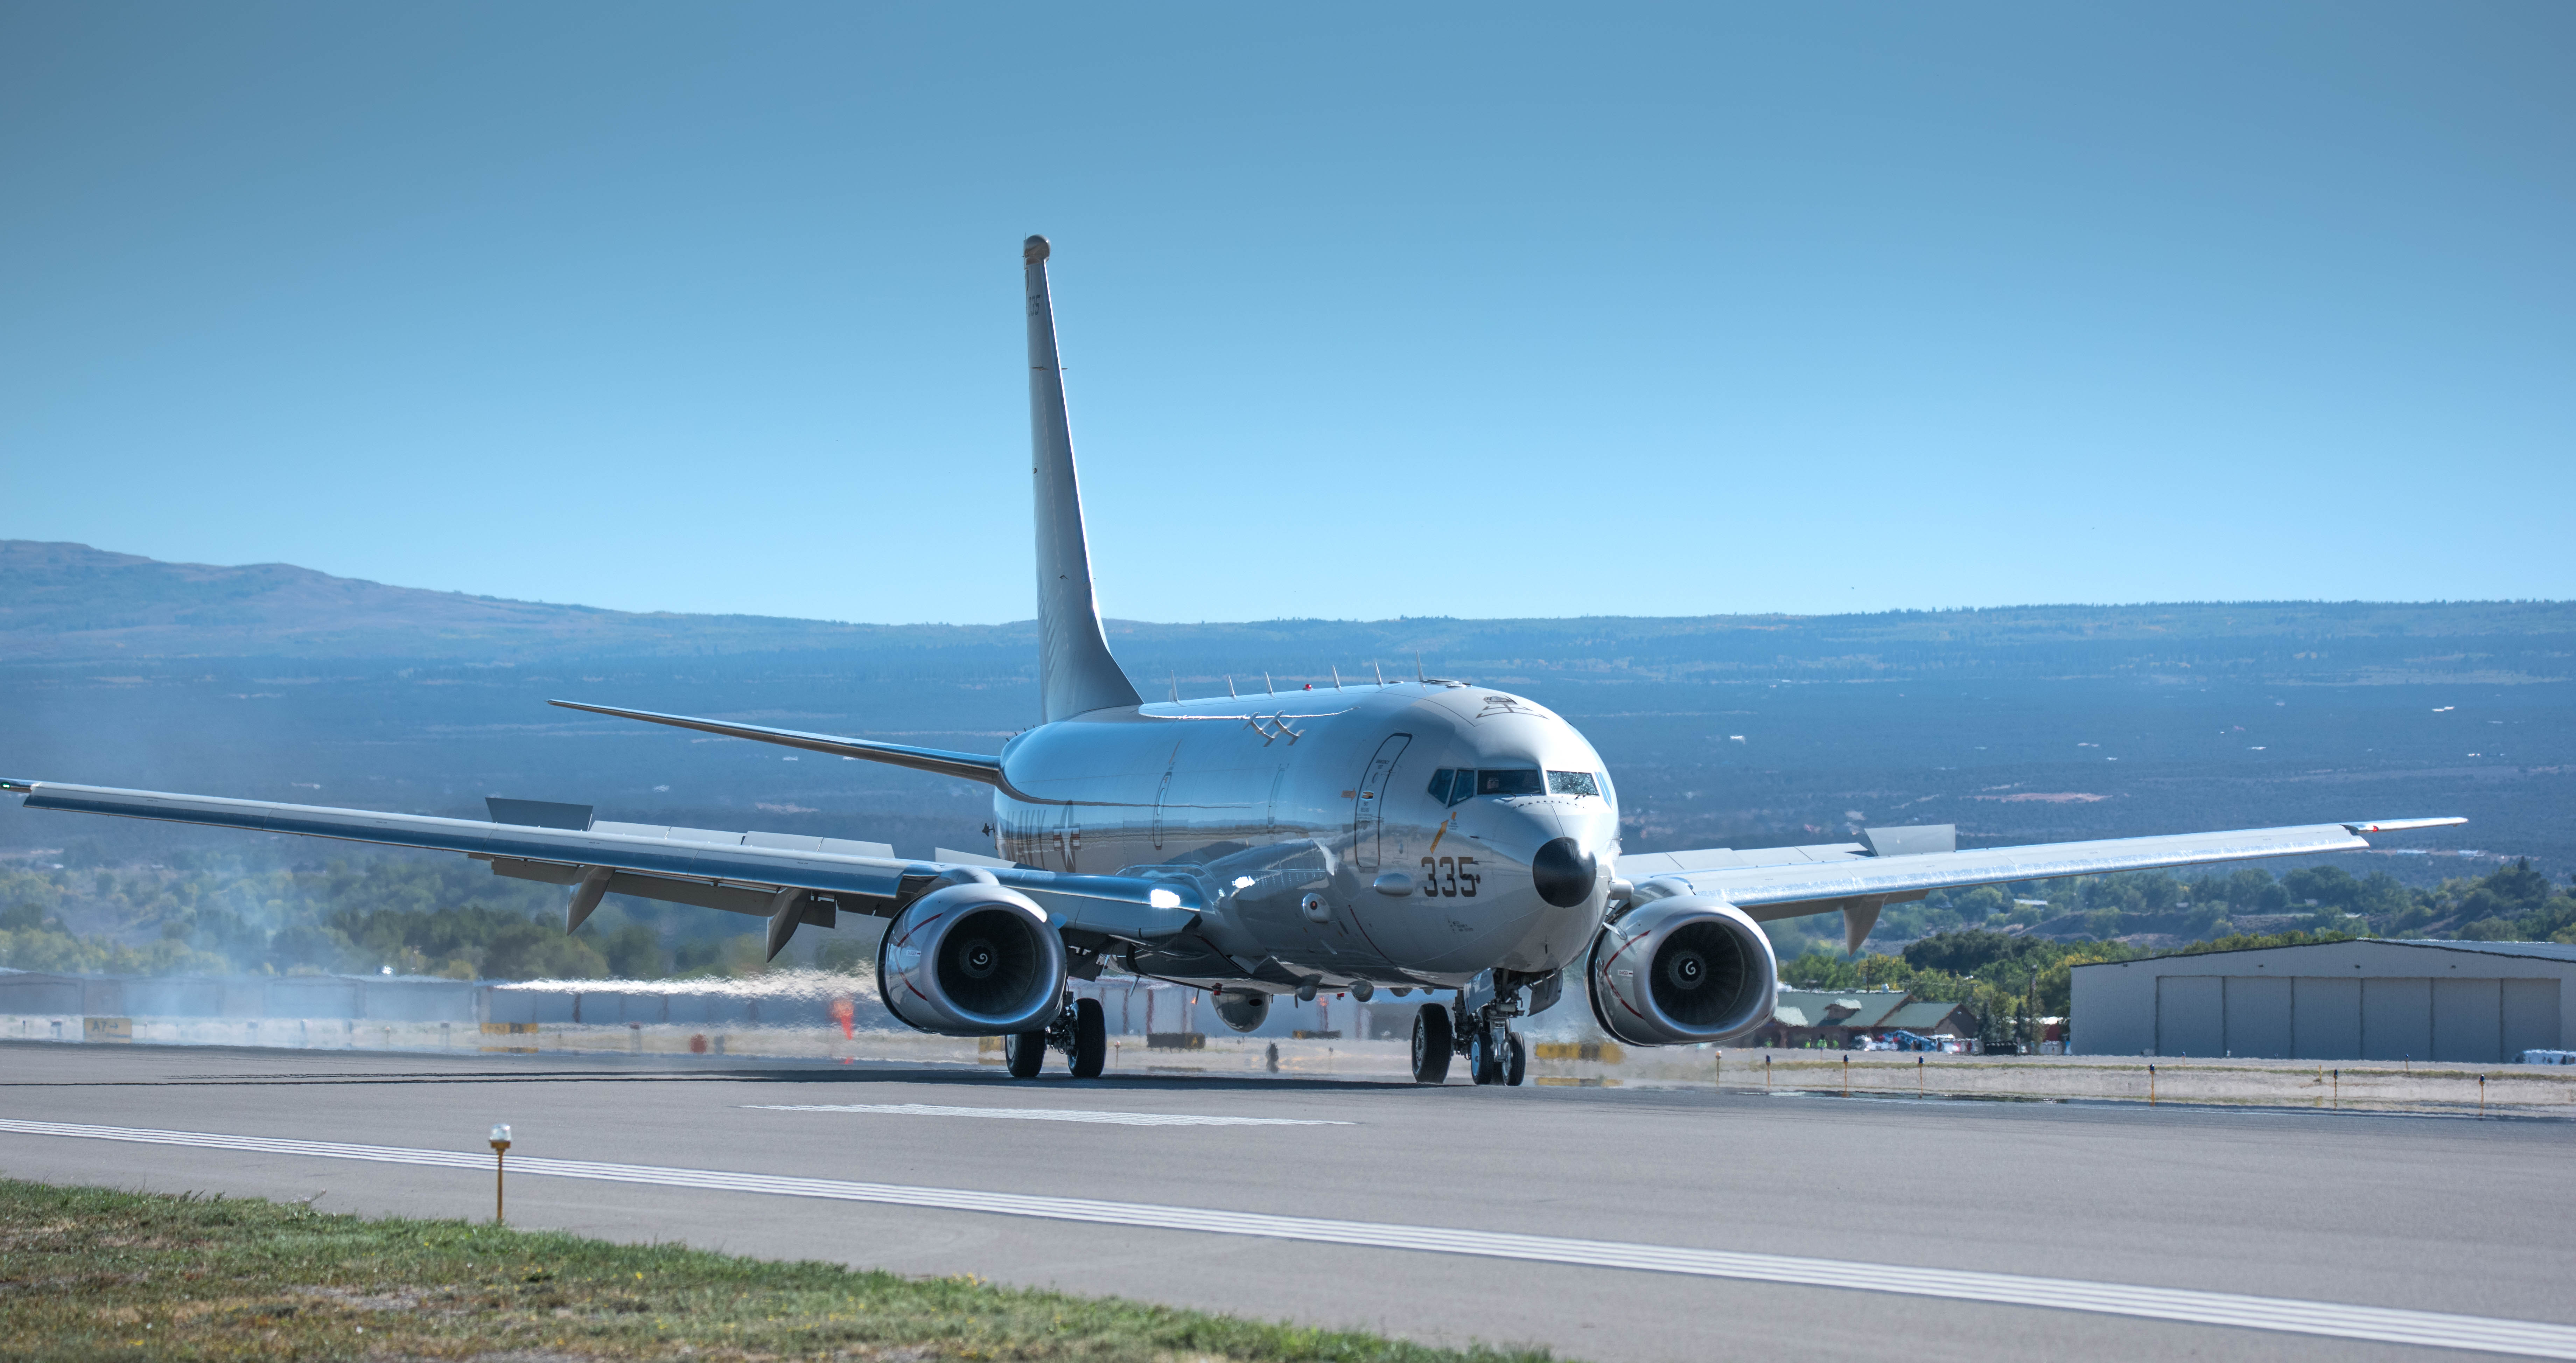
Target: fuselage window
1509	781
1571	783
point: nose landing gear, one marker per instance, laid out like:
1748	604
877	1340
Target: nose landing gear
1081	1032
1478	1026
1498	1056
1495	1054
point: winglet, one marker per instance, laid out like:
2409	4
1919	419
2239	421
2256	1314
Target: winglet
1076	674
2400	825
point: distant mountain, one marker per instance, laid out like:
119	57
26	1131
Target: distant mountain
2019	724
69	603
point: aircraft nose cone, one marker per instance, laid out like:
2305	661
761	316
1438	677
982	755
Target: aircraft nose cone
1564	872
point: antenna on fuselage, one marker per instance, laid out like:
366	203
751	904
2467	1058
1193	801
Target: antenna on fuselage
1268	687
1176	687
1417	670
1380	671
1337	677
1229	683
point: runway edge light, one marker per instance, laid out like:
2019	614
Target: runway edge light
500	1160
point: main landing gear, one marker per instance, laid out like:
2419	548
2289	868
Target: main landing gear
1081	1032
1495	1053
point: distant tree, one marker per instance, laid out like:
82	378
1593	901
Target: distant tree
1981	903
2252	890
633	952
527	951
310	947
2326	886
1964	953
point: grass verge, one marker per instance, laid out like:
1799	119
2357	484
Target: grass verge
94	1274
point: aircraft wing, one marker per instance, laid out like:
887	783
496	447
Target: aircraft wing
1892	866
785	878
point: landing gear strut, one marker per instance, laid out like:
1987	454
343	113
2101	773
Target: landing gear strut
1495	1053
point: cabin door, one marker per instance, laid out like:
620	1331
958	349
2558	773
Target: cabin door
1368	817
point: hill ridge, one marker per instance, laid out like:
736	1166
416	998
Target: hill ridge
67	602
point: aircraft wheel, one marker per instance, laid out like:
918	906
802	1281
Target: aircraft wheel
1515	1060
1432	1045
1090	1039
1025	1052
1484	1058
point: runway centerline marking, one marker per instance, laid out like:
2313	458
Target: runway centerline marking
1040	1114
2334	1320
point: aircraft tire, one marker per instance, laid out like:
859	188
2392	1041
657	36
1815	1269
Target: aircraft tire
1432	1045
1515	1060
1484	1059
1025	1052
1090	1039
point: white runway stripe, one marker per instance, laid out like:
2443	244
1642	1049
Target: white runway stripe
2424	1329
1038	1114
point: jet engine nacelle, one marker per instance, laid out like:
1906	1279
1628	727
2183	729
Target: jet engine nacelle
1682	970
972	960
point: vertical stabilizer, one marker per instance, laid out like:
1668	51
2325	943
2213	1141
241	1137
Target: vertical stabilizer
1075	672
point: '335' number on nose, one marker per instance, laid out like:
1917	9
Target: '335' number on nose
1450	876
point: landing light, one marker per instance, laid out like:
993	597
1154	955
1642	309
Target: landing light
1244	882
1163	899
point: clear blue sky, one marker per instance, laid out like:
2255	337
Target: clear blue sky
1479	310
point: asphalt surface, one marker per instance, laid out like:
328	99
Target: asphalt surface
2430	1214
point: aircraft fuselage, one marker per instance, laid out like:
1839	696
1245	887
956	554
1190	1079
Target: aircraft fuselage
1311	821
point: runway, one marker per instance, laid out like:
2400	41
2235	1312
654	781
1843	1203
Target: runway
1607	1224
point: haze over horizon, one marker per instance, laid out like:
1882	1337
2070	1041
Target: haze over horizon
1665	312
11	549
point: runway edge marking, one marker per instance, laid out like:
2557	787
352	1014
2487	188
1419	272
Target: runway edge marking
2389	1325
1039	1114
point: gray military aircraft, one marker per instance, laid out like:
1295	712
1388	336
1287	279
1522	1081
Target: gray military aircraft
1426	834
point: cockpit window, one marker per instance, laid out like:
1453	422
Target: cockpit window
1508	781
1450	785
1572	783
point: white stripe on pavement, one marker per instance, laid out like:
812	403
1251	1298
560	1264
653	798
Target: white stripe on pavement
1038	1114
2335	1320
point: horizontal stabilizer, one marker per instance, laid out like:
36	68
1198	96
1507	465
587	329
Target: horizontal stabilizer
971	766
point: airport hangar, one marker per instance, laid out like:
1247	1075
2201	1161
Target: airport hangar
2367	999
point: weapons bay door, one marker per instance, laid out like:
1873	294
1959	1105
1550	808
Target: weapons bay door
1368	817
